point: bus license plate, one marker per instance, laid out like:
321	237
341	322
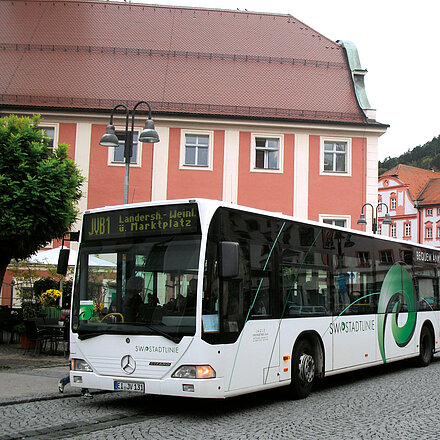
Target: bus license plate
138	387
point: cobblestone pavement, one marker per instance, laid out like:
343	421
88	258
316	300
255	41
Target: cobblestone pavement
395	401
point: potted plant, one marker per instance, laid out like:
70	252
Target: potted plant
49	300
20	329
46	290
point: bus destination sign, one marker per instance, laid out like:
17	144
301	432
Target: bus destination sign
151	220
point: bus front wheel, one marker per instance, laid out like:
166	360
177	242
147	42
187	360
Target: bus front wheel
303	369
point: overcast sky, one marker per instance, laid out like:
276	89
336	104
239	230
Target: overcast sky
399	45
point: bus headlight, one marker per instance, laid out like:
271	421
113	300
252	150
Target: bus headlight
80	365
194	372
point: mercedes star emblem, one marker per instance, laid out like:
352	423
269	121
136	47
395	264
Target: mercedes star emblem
128	364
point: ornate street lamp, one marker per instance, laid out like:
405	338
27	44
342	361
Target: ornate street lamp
148	134
374	219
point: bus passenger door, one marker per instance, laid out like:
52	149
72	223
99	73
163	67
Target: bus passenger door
255	354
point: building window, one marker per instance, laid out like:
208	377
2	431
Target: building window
438	232
379	230
335	155
428	232
393	231
335	222
51	132
438	211
386	256
267	153
407	229
393	203
363	259
118	152
429	212
197	150
344	221
379	204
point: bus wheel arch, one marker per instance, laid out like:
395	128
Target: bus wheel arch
307	363
426	345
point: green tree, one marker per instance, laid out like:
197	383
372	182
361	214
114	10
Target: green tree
39	189
425	156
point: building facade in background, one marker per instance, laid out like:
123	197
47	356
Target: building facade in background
251	108
413	198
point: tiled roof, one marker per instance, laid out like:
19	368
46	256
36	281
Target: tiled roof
415	178
93	55
430	195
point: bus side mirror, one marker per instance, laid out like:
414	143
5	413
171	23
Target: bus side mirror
63	257
63	261
228	253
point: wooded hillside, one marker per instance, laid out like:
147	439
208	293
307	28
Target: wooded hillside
425	156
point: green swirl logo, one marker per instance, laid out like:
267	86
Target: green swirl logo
397	289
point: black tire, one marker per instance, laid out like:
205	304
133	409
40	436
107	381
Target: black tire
426	347
303	369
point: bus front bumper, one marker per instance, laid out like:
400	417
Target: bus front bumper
204	388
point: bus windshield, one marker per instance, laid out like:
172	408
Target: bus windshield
133	287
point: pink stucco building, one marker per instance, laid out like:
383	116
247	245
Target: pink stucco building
252	108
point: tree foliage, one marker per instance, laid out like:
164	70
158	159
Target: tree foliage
39	189
426	157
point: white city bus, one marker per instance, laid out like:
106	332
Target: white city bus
207	299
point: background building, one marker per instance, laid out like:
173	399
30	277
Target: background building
413	197
252	108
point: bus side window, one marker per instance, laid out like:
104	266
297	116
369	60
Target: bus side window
427	291
305	292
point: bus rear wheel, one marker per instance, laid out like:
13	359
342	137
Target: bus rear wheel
303	369
426	346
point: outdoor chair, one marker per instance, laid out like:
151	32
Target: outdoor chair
59	336
5	315
66	338
33	334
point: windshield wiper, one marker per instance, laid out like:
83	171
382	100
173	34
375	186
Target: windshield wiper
175	339
90	335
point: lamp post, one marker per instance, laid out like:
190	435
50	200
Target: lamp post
148	134
374	219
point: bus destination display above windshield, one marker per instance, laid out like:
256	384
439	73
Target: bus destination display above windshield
151	220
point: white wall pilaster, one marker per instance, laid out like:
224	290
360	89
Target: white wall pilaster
230	165
301	176
159	184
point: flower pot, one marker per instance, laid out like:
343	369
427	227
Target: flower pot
52	312
26	344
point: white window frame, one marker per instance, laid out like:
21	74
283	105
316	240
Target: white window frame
393	203
428	232
111	151
56	131
429	212
347	218
393	230
210	135
253	149
348	141
407	227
